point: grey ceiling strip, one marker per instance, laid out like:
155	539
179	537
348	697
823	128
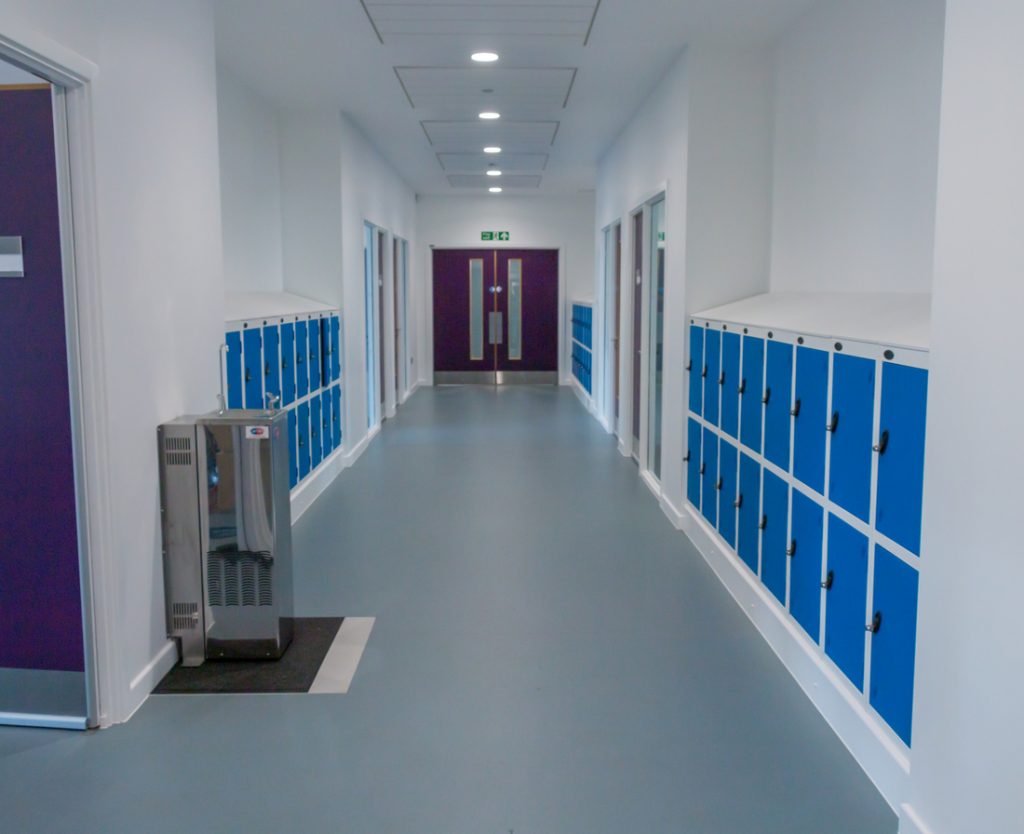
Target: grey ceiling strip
427	134
376	31
568	92
590	28
405	90
555	134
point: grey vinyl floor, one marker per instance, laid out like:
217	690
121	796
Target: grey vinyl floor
549	657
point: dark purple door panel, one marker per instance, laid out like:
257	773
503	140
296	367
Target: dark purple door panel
538	269
452	310
40	591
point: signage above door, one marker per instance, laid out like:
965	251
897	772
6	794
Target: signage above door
495	236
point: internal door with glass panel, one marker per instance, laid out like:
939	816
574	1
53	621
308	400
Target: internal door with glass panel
495	316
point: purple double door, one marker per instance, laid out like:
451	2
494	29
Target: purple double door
495	316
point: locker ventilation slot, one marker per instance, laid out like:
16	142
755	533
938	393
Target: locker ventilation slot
239	580
184	616
178	451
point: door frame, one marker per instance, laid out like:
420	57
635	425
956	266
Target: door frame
610	328
563	346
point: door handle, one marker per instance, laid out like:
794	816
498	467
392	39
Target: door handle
687	458
738	503
796	409
718	486
883	443
876	623
834	424
767	396
689	365
827	584
791	550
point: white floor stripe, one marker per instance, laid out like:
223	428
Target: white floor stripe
342	660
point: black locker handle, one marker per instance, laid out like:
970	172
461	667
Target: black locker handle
834	424
796	409
738	503
703	466
719	484
721	378
299	359
284	364
704	373
764	522
266	369
687	458
743	388
767	396
689	365
827	584
791	550
248	375
302	441
883	443
876	623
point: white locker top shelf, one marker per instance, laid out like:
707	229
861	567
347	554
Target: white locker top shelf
896	319
243	306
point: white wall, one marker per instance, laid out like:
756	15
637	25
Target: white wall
250	185
968	731
856	139
564	223
157	212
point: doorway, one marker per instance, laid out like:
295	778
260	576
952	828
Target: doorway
656	330
612	302
637	340
495	316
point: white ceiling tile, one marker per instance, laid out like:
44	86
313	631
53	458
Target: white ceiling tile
483	181
473	135
515	163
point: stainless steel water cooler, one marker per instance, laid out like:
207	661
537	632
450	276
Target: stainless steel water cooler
226	515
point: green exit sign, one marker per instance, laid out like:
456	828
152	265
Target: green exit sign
495	236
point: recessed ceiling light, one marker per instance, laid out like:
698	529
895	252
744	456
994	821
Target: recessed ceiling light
490	114
492	149
484	57
494	172
495	189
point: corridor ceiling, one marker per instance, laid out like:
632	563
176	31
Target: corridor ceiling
570	76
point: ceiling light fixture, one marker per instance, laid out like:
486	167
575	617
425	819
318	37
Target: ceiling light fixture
495	189
494	172
484	57
490	114
492	149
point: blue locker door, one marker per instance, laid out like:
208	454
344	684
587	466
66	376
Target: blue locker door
750	510
901	454
293	454
693	462
709	477
336	415
696	368
806	540
234	370
711	370
893	644
301	360
335	348
811	405
727	494
252	368
752	385
314	355
730	378
773	546
272	359
302	440
326	432
853	410
846	599
315	433
287	364
778	390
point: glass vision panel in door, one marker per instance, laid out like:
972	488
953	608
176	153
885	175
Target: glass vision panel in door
476	309
515	309
657	333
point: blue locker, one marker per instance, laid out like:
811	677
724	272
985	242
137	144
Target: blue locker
293	454
730	378
335	348
315	433
727	494
336	415
773	545
696	369
301	360
846	599
693	460
750	510
901	454
314	355
778	391
302	440
234	369
709	478
893	641
287	364
806	540
752	386
252	368
853	413
811	407
272	359
326	433
711	371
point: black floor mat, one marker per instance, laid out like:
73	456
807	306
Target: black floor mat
294	672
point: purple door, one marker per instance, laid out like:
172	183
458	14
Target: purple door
495	315
40	589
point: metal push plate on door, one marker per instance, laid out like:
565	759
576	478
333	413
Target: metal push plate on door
12	257
496	322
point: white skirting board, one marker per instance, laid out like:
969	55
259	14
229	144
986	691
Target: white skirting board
885	763
313	487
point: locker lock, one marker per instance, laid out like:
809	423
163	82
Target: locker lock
299	359
764	522
767	396
704	373
703	466
827	584
721	378
719	484
248	375
689	365
791	550
687	458
796	409
738	503
266	369
876	623
834	424
743	388
883	443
